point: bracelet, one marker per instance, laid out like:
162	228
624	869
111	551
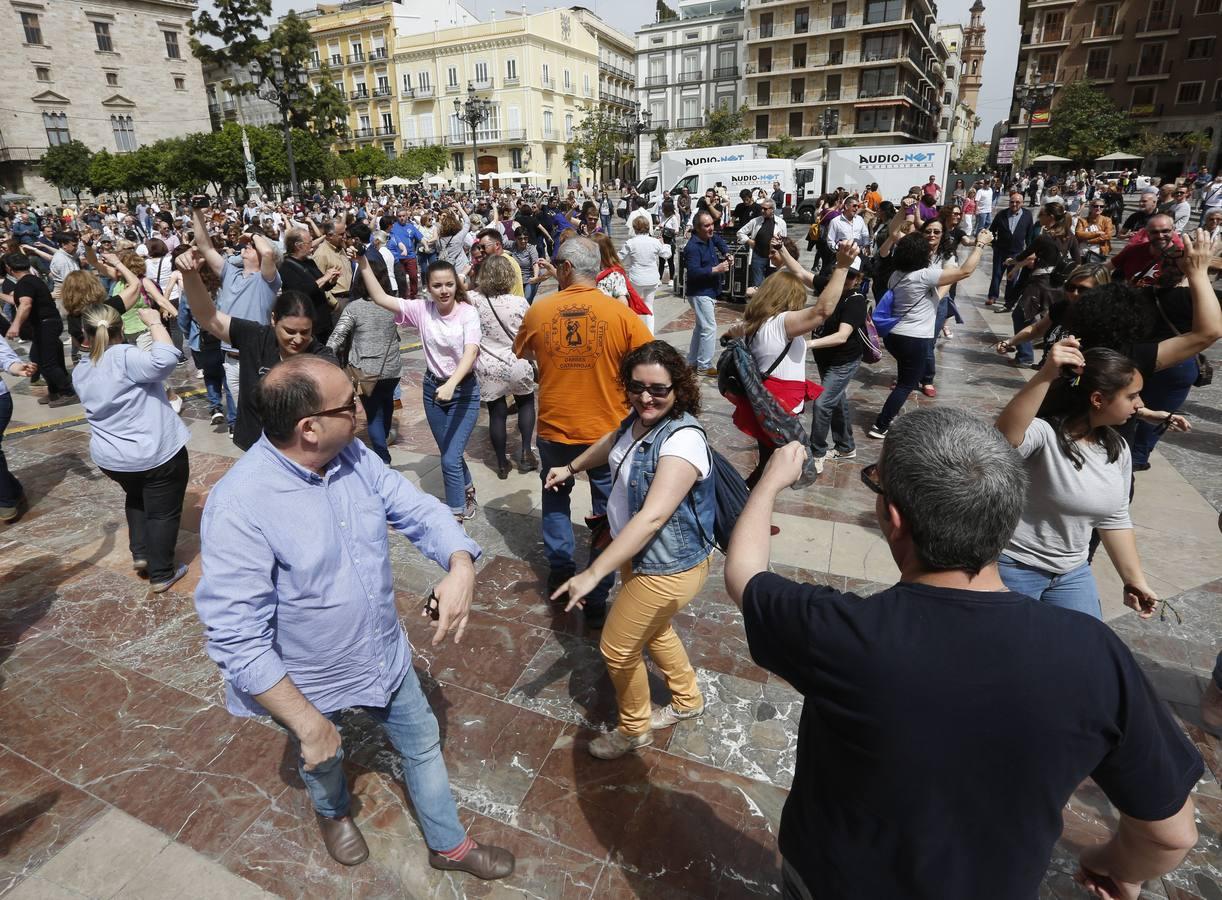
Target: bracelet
572	471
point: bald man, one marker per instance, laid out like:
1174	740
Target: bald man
298	603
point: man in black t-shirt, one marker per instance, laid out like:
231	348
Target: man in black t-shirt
946	719
37	320
745	211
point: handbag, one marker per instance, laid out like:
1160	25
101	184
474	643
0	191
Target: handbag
1205	369
362	382
668	235
871	344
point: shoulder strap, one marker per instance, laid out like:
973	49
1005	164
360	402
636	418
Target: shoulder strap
776	362
499	320
1159	306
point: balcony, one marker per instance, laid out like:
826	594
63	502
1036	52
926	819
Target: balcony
387	131
690	77
382	91
453	88
424	91
725	72
570	89
839	58
361	93
377	53
551	135
656	80
1108	31
655	124
616	71
548	84
1097	73
1158	24
362	134
1148	71
336	60
482	84
769	32
313	64
511	81
355	59
588	93
690	122
430	141
1051	37
229	106
407	93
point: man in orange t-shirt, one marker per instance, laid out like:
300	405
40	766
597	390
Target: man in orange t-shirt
577	336
872	198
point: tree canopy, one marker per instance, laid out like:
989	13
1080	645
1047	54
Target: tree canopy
721	128
784	147
1085	124
67	166
596	140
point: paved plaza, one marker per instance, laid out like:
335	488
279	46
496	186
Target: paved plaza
122	775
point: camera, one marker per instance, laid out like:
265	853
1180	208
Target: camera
200	201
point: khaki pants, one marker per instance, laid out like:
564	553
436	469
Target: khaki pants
639	620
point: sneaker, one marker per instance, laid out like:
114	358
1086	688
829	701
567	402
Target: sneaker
819	461
1141	467
10	514
929	390
877	433
160	587
708	373
615	744
199	374
64	400
665	716
218	417
842	454
176	405
529	462
471	505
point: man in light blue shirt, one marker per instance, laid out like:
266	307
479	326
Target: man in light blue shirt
297	600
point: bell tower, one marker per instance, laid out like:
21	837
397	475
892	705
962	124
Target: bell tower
973	58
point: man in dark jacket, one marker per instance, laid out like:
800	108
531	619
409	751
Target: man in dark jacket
706	258
300	273
1011	234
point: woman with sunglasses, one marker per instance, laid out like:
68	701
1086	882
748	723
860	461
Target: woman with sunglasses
259	346
1094	232
1063	423
660	514
1052	326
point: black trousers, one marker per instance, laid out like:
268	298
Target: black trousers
47	352
154	509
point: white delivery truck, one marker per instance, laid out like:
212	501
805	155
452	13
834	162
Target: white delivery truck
666	171
894	169
794	175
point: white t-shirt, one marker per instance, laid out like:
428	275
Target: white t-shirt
916	299
767	344
687	444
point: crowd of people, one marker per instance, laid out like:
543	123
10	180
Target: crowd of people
291	316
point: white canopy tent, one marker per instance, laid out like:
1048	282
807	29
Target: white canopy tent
394	181
1051	158
1119	157
438	179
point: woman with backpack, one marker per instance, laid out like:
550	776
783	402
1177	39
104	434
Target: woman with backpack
660	516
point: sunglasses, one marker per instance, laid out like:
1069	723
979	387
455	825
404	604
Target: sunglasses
869	477
657	391
349	408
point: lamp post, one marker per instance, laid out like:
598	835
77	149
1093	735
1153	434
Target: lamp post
1031	97
283	88
474	111
636	123
829	123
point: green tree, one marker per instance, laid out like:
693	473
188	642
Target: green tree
67	167
1148	144
234	33
596	140
415	162
1085	124
368	162
784	147
664	12
721	127
661	141
972	158
107	172
329	108
1192	145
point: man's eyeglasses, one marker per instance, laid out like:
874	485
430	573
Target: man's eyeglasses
349	408
657	391
869	477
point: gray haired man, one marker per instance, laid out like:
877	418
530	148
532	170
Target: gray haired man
945	698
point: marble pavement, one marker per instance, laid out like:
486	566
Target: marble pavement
121	774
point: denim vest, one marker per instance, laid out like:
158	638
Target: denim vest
684	541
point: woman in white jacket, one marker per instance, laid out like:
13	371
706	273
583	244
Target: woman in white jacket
641	255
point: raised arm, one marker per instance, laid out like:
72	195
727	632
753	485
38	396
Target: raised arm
267	257
199	298
1206	312
203	241
951	275
807	319
376	294
1020	412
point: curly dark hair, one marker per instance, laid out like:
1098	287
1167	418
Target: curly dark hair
682	376
911	253
1115	316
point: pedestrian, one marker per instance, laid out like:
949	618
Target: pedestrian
1051	328
578	337
1094	232
303	623
837	347
758	233
37	320
706	259
670	229
660	514
1011	231
135	437
1049	257
1079	471
643	256
501	374
904	745
13	501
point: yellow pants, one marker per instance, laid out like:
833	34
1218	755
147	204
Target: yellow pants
640	619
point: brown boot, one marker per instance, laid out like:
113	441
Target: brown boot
343	840
482	861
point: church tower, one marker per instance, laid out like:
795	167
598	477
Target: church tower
973	58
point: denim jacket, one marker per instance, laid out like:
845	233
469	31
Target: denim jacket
700	256
684	541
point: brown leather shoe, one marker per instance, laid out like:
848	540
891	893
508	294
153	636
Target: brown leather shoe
343	840
483	861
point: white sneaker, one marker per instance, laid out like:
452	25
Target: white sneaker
199	374
836	454
819	461
176	404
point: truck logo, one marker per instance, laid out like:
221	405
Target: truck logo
895	160
699	160
739	179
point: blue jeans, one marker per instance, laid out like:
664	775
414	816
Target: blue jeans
759	269
1074	590
10	487
530	290
1166	390
424	260
452	424
606	220
999	273
704	335
379	407
910	354
558	540
983	221
832	409
931	365
1026	353
412	729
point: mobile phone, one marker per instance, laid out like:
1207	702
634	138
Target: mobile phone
200	201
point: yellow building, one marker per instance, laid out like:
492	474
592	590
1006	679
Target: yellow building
354	44
539	73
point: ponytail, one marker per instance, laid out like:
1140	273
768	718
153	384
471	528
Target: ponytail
100	322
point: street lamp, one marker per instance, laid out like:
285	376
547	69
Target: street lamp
474	111
635	125
284	90
1031	97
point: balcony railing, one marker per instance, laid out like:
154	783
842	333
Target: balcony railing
1140	69
781	65
382	91
1098	73
337	59
359	94
407	93
1094	30
548	84
655	124
424	90
570	88
377	53
1161	22
354	58
430	141
726	72
615	70
651	80
511	81
453	88
362	133
314	65
690	77
386	131
689	122
483	84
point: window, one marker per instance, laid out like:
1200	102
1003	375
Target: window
1190	92
795	124
388	147
1097	61
585	85
880	46
547	123
1054	25
798	56
950	73
882	11
180	83
797	90
56	125
1150	59
946	101
831	91
363	123
761	127
388	123
33	31
425	81
547	75
452	77
383	82
112	79
511	70
568	79
125	134
801	20
101	31
333	52
877	83
839	16
42	73
358	52
171	45
515	159
568	126
339	86
1201	48
1208	6
481	72
1144	96
456	161
1046	66
870	121
1105	20
407	81
689	112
